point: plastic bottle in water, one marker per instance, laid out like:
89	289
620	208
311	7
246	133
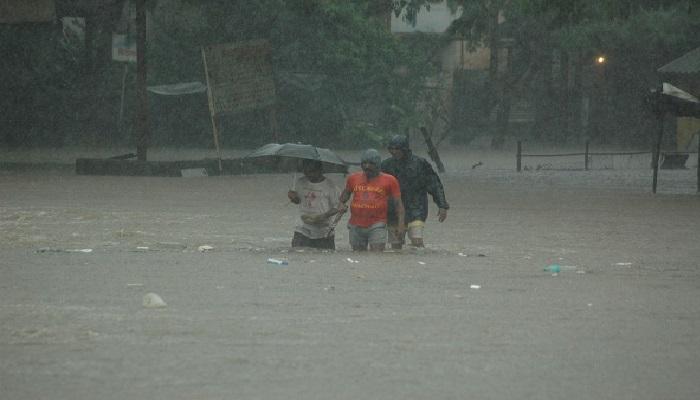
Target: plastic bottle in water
277	261
553	268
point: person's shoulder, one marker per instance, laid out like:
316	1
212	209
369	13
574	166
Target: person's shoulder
423	162
389	177
419	159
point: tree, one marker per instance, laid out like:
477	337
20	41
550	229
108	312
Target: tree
637	36
365	73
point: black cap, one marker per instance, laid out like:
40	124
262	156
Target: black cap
399	142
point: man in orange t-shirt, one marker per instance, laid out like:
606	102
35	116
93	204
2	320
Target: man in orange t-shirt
370	190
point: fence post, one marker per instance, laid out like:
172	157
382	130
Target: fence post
519	156
656	152
586	162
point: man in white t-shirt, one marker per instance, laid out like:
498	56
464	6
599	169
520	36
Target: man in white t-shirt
317	197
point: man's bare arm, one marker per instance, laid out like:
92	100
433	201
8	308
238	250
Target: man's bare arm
344	197
398	205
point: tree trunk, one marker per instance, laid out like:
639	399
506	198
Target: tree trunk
432	151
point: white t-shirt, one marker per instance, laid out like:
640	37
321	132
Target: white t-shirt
316	198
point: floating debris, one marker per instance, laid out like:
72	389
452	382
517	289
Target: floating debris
171	245
152	300
54	250
79	250
49	250
556	268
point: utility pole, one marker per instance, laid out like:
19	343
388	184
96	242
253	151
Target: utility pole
142	120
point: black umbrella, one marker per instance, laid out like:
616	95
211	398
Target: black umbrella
288	157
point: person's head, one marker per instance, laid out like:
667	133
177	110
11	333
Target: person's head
398	146
371	162
312	169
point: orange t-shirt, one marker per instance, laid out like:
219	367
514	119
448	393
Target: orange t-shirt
369	200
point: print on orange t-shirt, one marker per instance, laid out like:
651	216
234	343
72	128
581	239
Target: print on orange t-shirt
369	200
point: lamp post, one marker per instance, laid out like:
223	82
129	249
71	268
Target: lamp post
600	97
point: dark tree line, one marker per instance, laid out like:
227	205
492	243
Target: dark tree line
343	78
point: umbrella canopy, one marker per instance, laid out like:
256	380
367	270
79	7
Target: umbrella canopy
287	157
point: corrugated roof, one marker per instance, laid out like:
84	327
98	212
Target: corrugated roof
688	63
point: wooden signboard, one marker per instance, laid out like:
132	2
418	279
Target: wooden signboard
18	11
239	79
239	76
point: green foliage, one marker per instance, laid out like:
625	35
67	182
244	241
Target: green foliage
637	36
342	42
34	102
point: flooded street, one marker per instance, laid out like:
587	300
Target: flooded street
474	315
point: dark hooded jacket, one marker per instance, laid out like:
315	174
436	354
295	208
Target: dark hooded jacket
416	178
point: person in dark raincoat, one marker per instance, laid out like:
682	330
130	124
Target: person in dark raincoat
416	179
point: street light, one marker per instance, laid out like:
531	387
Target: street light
600	60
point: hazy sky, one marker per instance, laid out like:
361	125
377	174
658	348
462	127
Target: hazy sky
436	20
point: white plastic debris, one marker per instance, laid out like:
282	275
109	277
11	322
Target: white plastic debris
134	284
421	262
461	254
152	300
475	287
79	250
624	264
205	247
350	260
193	172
